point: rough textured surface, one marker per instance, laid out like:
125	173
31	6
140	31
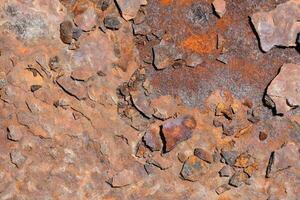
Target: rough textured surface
284	90
152	137
87	18
278	27
164	107
112	22
177	130
192	169
193	60
248	71
66	31
165	54
130	8
220	7
85	114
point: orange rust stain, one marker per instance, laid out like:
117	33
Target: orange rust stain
206	43
224	197
193	160
165	2
203	43
23	50
183	2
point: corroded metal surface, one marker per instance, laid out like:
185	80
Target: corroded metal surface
86	114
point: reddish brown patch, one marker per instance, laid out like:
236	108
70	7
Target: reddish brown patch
81	6
177	130
223	23
244	68
185	2
203	155
263	136
190	123
152	137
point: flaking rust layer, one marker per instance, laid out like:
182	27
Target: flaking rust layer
130	99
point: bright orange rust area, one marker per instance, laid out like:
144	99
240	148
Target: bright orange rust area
193	160
242	161
166	2
206	42
202	43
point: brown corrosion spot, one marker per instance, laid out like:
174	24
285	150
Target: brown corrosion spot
224	23
202	43
263	136
81	6
152	137
190	122
177	130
